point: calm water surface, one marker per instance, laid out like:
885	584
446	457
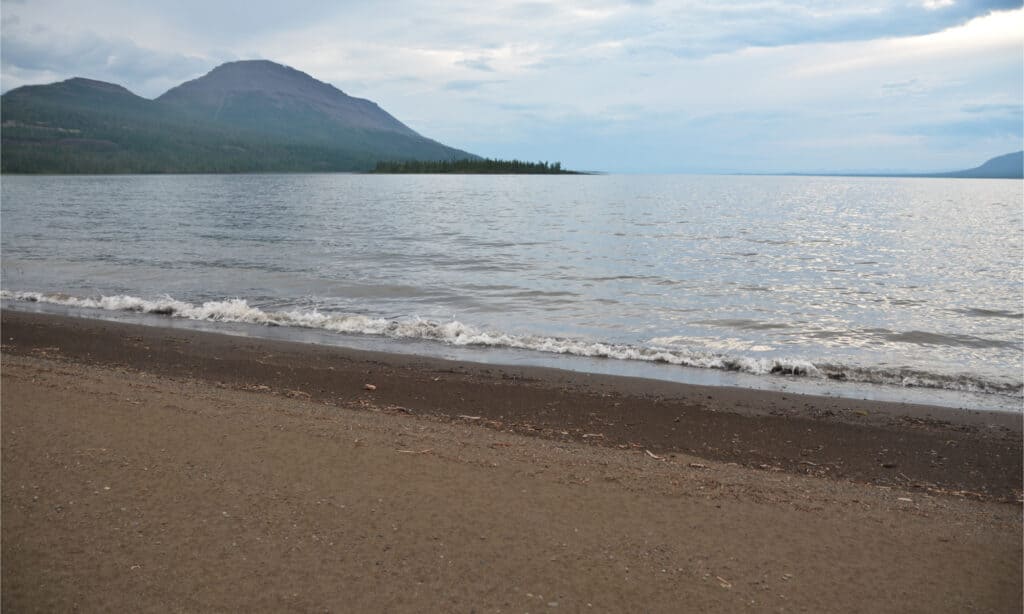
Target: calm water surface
899	282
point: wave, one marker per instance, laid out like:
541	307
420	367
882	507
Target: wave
459	334
977	312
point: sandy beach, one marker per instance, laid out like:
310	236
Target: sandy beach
157	469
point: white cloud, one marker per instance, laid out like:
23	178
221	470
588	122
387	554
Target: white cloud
995	32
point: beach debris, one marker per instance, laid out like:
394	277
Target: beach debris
860	412
723	582
965	494
427	451
787	577
593	435
698	466
907	499
465	417
654	456
889	465
369	387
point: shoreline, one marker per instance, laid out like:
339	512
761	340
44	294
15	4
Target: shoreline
962	395
933	449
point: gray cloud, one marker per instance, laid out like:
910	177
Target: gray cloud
476	64
1014	110
971	128
118	60
900	85
721	27
468	85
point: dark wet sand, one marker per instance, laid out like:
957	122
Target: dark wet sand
150	469
869	441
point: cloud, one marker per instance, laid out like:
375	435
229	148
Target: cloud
1014	110
974	120
468	85
476	64
114	59
699	29
900	85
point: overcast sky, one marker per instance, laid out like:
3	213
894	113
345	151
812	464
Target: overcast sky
685	86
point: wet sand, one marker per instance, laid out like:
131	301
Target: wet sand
150	469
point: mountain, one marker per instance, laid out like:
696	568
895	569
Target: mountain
256	92
1008	166
251	116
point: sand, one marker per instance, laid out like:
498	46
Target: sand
152	469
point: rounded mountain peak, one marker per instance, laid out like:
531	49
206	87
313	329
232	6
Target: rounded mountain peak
83	82
253	76
265	92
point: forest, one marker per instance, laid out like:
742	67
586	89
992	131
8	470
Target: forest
482	166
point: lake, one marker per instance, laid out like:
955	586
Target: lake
849	286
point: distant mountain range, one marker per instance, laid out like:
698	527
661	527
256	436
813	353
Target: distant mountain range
250	116
1008	166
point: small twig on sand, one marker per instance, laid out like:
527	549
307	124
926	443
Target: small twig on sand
427	451
654	456
464	417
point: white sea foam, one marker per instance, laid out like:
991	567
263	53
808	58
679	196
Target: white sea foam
461	334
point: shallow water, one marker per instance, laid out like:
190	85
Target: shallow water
898	282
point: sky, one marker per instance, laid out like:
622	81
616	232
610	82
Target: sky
619	86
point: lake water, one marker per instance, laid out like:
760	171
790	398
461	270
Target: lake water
876	283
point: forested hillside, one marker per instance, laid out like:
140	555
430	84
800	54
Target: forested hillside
242	117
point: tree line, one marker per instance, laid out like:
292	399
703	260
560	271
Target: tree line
470	166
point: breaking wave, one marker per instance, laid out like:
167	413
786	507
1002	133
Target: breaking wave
459	334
